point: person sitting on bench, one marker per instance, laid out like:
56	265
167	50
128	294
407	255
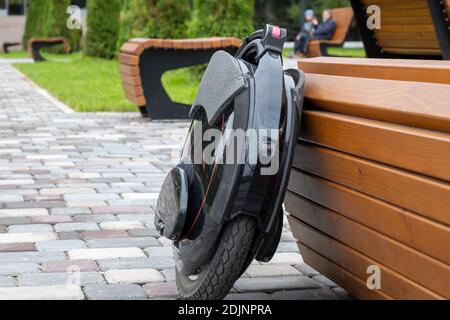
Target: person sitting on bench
306	32
323	31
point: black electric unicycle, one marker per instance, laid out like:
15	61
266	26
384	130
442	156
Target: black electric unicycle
222	204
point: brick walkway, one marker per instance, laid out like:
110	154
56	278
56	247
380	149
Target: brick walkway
77	192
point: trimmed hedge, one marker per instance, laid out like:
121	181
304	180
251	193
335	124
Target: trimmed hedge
47	18
153	19
103	28
229	18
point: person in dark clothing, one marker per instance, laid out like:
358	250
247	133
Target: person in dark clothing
306	33
323	31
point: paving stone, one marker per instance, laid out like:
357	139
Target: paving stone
144	233
123	242
121	225
16	220
64	191
159	251
73	235
114	292
60	245
42	293
26	237
85	203
325	281
165	242
306	270
258	271
106	253
104	234
14	269
6	281
161	290
10	198
316	294
63	278
94	218
144	218
291	258
158	263
30	228
53	219
90	197
3	229
14	247
25	212
34	204
70	211
275	284
36	257
83	175
342	294
75	226
287	247
138	276
70	265
169	274
122	210
252	296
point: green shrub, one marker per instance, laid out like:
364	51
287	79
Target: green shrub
47	18
232	18
171	19
134	19
153	19
103	28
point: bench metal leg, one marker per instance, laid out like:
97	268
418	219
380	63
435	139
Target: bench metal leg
154	63
36	49
440	17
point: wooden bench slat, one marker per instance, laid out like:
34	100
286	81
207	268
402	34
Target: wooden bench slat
413	37
346	279
418	104
398	4
138	45
409	43
425	270
423	196
133	90
405	226
393	283
414	51
421	151
386	69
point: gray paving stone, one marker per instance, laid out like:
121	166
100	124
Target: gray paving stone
6	281
70	211
94	218
306	270
55	279
115	292
14	268
325	281
275	284
169	274
123	242
144	233
12	221
158	263
36	257
315	294
69	235
79	226
159	251
30	228
254	296
60	245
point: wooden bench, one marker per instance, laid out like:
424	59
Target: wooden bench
343	18
144	61
370	183
413	29
36	44
7	45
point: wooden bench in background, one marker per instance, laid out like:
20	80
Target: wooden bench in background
412	29
36	44
144	61
343	18
7	45
370	183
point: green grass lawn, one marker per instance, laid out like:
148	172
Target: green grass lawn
339	52
90	84
14	55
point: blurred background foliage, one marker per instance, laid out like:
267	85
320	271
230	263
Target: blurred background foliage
111	23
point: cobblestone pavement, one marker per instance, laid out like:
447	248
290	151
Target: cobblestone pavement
77	193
